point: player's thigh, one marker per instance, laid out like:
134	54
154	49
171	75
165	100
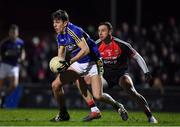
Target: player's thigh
13	76
81	84
96	85
126	82
3	74
56	83
87	79
13	81
4	70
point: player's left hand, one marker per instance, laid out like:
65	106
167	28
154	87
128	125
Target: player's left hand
66	65
148	76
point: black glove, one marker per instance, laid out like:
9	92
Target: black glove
99	63
65	66
148	76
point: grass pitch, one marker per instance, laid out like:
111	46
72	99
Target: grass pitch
41	117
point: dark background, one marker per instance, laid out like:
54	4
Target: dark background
35	15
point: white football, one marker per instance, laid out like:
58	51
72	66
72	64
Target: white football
54	64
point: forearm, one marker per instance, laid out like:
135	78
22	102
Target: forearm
81	54
141	62
23	55
61	51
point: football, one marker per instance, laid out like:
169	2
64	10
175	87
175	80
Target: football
54	64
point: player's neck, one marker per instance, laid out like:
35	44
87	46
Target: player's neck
108	39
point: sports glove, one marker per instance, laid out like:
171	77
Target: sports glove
65	66
99	63
148	76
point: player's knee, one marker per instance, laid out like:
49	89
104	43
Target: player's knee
125	82
98	97
126	85
55	86
130	90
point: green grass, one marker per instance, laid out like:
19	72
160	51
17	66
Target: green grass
41	117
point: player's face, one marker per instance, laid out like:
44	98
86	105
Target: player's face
13	33
103	32
59	25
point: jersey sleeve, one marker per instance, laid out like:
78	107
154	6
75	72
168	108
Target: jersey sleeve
22	44
130	51
60	40
76	33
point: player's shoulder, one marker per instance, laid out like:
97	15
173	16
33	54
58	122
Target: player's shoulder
20	41
121	42
59	38
72	27
98	41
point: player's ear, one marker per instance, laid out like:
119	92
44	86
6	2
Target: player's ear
110	32
65	23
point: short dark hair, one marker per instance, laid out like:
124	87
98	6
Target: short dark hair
60	15
13	27
108	24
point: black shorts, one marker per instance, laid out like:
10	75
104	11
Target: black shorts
112	76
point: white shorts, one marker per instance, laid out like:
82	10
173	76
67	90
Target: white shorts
85	69
7	70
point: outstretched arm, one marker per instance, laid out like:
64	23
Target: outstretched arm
141	62
143	66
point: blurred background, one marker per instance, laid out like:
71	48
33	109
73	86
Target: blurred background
151	27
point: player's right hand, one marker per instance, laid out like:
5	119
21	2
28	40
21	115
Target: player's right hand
65	66
148	76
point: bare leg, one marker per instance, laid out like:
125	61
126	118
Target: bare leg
59	94
86	94
57	88
127	85
97	90
13	84
82	87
